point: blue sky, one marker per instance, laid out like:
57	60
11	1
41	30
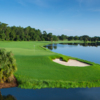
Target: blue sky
69	17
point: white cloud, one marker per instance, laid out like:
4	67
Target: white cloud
24	2
21	2
88	2
80	2
41	3
95	10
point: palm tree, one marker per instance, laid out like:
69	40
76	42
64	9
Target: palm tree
7	65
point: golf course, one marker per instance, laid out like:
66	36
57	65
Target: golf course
36	70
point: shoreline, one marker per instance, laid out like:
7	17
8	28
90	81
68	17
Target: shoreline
9	85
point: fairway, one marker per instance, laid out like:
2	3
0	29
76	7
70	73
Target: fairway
37	70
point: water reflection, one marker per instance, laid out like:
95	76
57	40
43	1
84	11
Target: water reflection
51	46
8	97
83	44
54	46
53	94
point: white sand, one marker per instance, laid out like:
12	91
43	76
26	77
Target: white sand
71	62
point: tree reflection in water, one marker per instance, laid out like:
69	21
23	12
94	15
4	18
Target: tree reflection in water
54	46
83	44
8	97
51	46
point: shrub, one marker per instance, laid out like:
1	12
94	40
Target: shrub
7	65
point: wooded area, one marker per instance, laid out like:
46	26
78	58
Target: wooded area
14	33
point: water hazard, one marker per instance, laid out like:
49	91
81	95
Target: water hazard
52	94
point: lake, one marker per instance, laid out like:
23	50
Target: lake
85	51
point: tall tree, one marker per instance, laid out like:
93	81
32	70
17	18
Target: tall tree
70	38
76	38
7	32
3	36
12	35
49	36
63	37
55	38
45	35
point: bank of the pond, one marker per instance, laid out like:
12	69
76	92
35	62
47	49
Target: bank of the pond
14	83
37	70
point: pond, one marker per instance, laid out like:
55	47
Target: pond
84	51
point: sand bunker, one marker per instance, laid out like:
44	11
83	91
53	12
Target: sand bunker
71	62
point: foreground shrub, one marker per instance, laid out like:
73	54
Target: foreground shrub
7	66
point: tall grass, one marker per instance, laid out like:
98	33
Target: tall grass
38	84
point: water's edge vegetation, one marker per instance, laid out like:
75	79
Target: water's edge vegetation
37	70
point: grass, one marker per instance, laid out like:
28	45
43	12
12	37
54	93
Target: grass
37	70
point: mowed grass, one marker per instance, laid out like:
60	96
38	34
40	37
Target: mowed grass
37	70
40	67
25	48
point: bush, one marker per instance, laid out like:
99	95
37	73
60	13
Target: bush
7	65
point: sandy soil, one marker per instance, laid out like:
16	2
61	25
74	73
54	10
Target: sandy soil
71	62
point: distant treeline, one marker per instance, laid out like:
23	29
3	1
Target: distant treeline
14	33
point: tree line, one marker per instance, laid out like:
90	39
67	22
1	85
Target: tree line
19	33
